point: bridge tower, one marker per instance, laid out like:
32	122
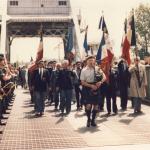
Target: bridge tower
23	18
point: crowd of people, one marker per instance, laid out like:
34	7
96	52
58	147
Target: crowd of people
8	76
85	83
56	82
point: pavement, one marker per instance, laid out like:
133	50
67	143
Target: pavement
24	131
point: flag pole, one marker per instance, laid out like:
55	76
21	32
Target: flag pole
136	48
41	32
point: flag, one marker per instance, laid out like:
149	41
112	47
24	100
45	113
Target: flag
126	43
109	49
101	51
105	53
85	44
102	56
69	46
125	26
132	24
100	23
39	54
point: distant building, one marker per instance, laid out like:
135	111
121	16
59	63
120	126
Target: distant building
38	7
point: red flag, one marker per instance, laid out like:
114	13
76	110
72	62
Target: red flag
39	55
125	50
127	43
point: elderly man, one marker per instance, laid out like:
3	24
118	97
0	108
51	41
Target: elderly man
40	83
65	84
138	84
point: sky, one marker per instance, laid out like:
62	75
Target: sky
114	12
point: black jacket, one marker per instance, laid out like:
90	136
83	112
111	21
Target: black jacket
40	84
65	79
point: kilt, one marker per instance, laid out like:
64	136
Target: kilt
91	97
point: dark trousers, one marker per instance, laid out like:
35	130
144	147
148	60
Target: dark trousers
112	97
39	101
56	98
124	96
50	96
103	94
78	95
66	97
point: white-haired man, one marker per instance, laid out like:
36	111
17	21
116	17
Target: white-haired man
138	84
65	85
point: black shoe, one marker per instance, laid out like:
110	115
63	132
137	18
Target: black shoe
2	124
93	124
88	123
41	113
4	117
115	112
108	113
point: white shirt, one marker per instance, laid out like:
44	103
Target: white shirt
41	72
87	74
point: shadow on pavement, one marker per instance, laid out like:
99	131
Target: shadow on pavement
60	120
120	114
102	120
88	129
30	112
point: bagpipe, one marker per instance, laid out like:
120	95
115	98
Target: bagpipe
6	90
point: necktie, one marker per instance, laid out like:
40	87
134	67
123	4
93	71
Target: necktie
41	73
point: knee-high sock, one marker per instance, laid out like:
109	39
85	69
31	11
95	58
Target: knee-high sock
94	112
88	113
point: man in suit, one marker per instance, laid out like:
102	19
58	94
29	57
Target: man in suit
138	84
40	83
123	78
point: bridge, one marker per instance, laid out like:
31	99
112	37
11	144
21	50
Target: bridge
24	19
25	131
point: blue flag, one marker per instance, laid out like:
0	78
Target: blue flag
85	44
99	52
69	46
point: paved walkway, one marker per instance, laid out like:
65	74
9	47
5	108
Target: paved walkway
25	131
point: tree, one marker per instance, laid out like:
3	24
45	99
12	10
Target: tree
142	21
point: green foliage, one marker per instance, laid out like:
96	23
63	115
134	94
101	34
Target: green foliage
142	21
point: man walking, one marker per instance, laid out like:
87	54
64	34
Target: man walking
40	83
65	85
138	84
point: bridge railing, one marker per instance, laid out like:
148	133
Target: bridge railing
39	11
